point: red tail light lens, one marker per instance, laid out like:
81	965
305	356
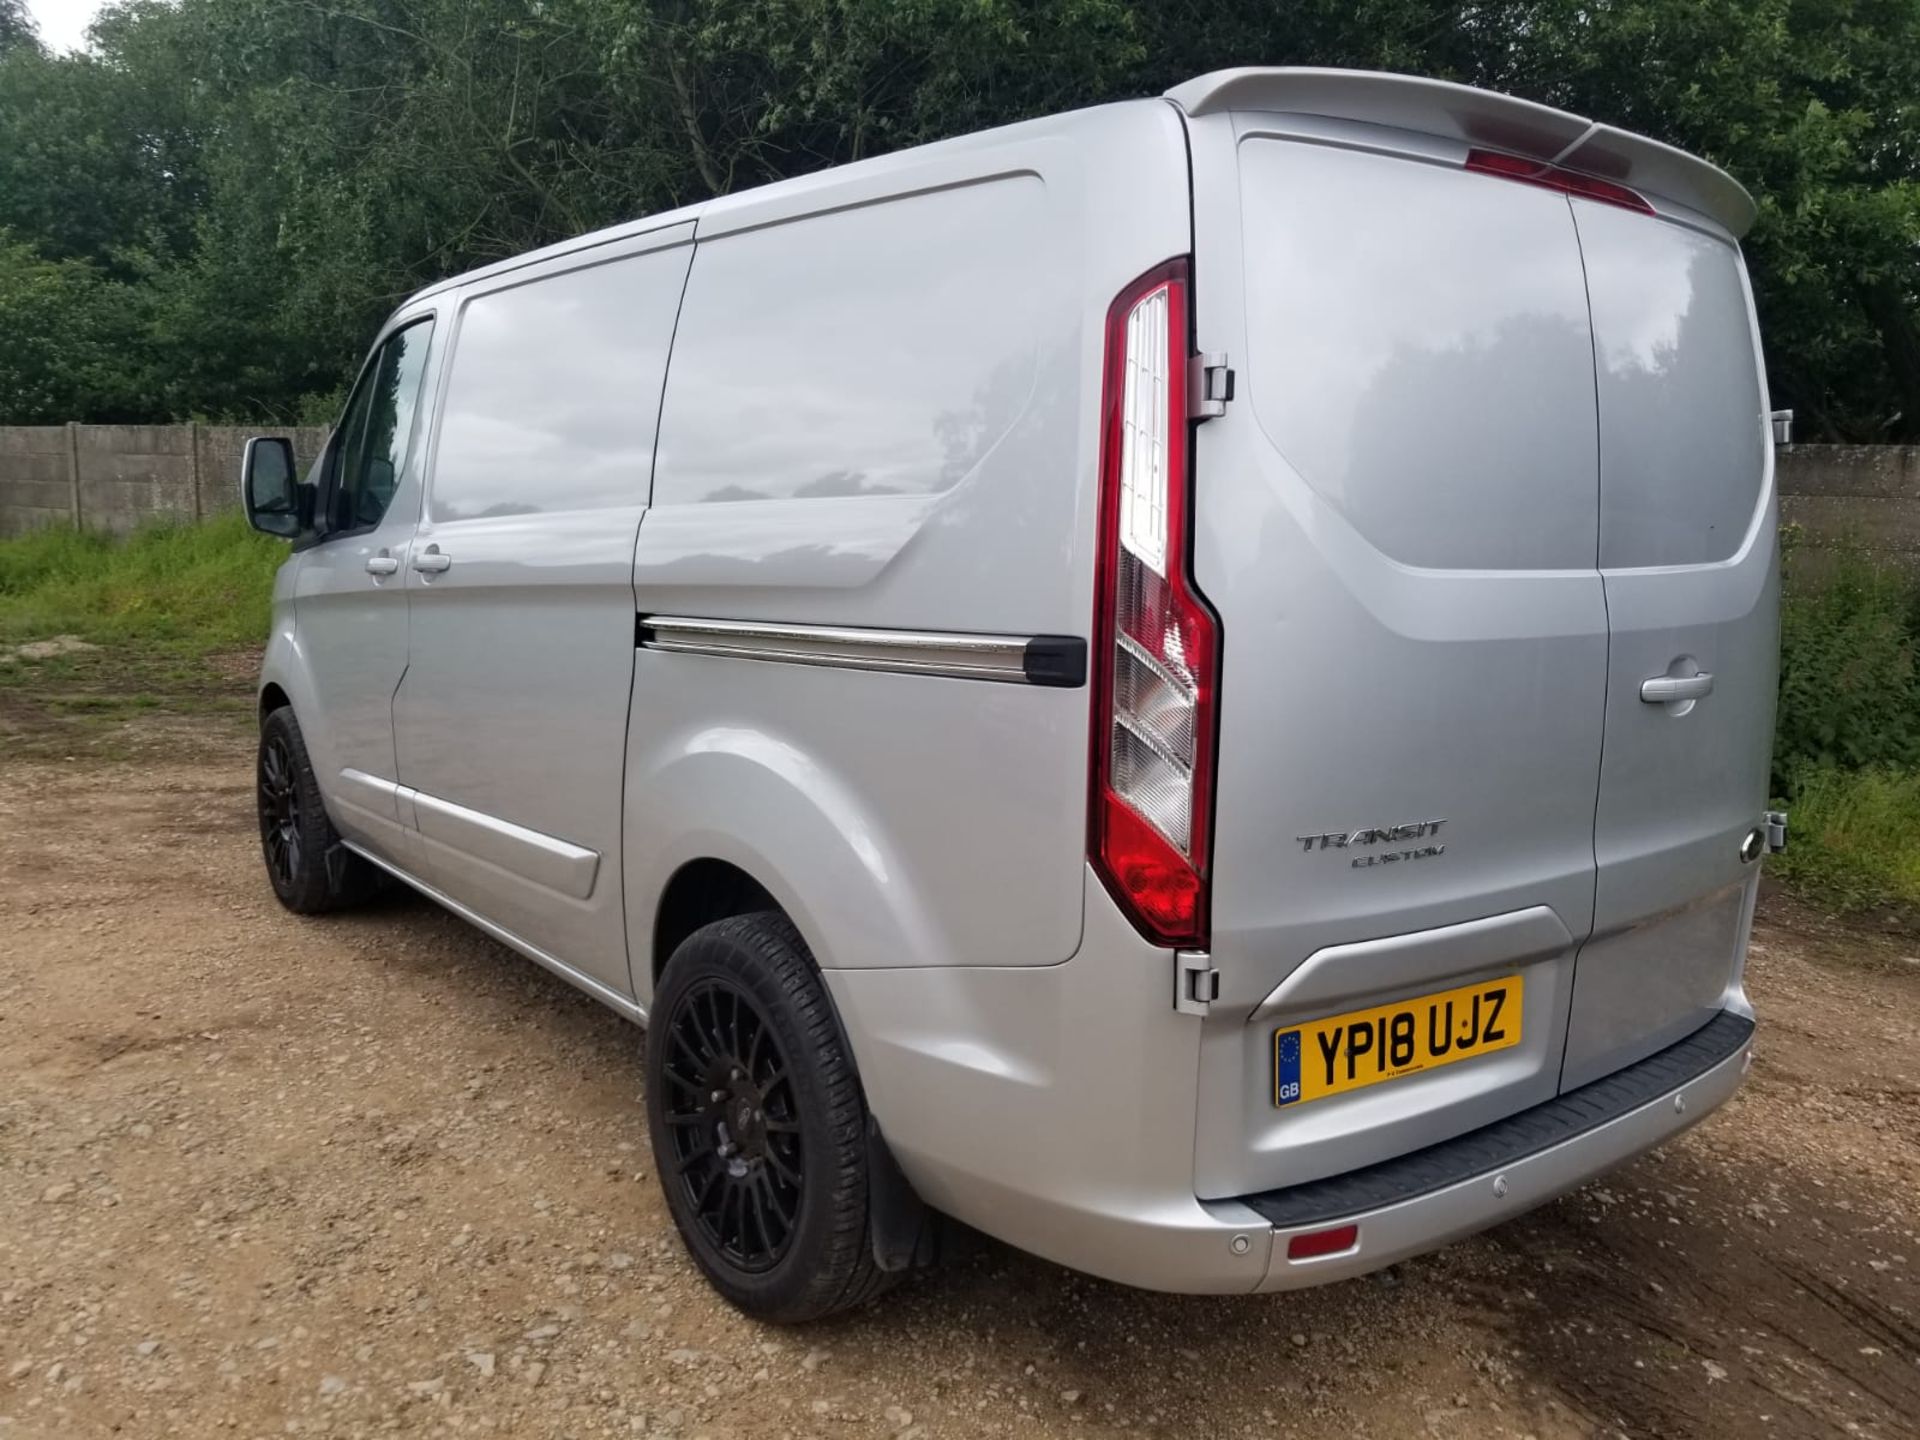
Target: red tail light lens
1551	177
1156	644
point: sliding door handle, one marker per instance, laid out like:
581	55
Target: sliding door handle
432	561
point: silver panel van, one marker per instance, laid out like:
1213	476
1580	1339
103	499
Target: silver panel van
1188	683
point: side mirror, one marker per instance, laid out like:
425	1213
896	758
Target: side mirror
268	489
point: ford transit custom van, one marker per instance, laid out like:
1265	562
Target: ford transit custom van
1188	683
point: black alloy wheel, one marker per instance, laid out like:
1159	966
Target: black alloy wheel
310	869
736	1135
759	1125
279	797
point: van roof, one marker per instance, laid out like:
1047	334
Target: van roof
1406	102
1478	117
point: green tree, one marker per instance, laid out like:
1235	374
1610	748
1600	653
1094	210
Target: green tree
74	342
17	30
268	179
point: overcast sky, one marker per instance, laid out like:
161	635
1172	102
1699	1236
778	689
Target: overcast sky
63	23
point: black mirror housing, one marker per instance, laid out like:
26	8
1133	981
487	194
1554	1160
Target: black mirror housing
276	502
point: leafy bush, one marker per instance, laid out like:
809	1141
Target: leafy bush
1847	742
190	588
1849	690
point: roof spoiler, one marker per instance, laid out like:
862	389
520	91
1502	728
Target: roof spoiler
1479	117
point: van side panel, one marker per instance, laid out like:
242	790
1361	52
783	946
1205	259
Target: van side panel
882	412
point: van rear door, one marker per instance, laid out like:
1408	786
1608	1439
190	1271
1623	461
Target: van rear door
1689	559
1397	520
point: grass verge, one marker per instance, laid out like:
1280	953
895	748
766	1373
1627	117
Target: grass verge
166	622
191	589
1855	841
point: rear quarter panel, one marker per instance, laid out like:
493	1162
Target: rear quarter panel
882	410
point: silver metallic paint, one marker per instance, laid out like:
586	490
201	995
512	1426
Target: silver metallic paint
514	706
349	642
1460	113
1689	556
1471	667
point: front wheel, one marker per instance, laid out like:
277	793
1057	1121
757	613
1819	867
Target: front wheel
759	1125
311	871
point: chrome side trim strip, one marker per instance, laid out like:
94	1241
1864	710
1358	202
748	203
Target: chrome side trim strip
605	994
1057	660
544	859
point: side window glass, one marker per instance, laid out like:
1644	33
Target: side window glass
554	391
376	430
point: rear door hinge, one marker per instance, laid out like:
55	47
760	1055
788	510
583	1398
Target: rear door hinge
1209	385
1776	830
1196	984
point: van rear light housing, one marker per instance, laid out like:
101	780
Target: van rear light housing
1157	644
1553	177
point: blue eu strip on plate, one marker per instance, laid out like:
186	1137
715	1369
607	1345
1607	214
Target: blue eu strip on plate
1286	1083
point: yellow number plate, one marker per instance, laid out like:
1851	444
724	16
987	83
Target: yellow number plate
1364	1047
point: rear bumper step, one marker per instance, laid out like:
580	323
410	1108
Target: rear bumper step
1517	1141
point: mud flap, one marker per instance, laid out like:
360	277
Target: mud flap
905	1232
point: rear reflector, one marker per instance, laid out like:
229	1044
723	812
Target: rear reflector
1552	177
1316	1243
1156	647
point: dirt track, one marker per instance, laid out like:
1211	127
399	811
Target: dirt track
264	1176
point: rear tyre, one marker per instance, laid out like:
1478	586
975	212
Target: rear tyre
311	871
759	1124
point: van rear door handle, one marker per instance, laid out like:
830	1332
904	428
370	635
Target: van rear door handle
382	564
1664	689
432	560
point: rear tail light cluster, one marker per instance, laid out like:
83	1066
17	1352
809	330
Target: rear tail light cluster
1156	645
1552	177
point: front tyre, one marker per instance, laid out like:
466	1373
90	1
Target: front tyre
310	869
759	1125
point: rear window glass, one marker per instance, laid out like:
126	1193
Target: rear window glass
1419	353
1682	439
555	391
881	350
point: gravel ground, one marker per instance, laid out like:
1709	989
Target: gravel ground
266	1176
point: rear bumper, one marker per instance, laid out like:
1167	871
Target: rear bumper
1053	1107
1419	1202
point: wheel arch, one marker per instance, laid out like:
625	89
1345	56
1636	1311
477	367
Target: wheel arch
273	698
700	892
727	821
